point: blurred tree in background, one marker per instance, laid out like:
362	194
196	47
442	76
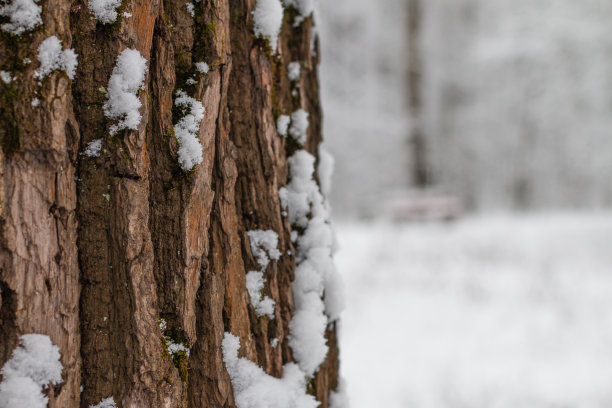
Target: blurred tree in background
515	104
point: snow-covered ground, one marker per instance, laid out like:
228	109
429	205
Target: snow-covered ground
491	312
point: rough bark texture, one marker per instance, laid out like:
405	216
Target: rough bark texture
96	250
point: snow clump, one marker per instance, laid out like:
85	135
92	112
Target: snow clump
51	58
299	126
293	71
316	277
186	130
93	148
264	245
282	124
6	77
122	98
268	18
33	366
104	11
191	9
283	197
24	15
254	388
202	67
263	305
105	403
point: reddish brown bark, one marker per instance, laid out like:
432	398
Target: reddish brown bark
95	251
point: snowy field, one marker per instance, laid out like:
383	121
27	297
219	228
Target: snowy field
495	312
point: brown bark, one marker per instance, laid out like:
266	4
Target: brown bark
96	250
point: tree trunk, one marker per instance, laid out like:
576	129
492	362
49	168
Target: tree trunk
96	252
421	172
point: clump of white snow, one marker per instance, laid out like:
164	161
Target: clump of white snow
293	71
202	67
254	388
268	18
93	148
24	15
283	197
307	331
33	365
299	126
282	124
105	403
51	58
317	288
104	11
122	98
302	191
263	305
304	7
6	77
35	102
191	9
186	130
264	245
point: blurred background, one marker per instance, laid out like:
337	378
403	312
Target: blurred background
472	196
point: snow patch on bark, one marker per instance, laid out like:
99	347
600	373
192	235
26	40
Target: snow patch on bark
51	58
33	366
104	11
202	67
254	388
187	129
282	124
299	126
317	288
268	18
6	77
255	282
122	99
293	71
93	148
24	15
190	9
105	403
264	246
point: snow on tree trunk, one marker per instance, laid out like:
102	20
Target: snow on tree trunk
132	263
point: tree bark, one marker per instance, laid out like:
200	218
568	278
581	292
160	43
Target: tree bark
96	251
